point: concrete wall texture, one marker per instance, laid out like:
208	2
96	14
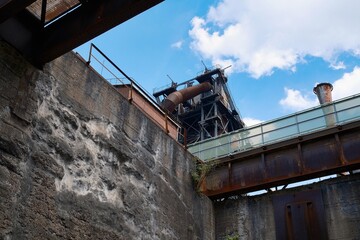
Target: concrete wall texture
78	161
252	217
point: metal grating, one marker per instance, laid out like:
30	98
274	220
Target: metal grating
54	8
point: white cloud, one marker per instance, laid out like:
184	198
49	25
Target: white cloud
251	121
348	85
178	44
296	101
338	65
260	36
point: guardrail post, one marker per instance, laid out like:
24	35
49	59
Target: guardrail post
90	52
336	113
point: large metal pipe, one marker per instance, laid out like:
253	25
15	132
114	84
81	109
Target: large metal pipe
323	92
183	95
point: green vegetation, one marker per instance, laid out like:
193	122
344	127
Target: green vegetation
232	237
201	171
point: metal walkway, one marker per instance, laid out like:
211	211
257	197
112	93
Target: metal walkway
316	142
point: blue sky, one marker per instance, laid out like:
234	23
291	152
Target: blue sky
278	49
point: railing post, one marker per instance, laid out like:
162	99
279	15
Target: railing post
336	113
43	12
229	144
297	124
90	52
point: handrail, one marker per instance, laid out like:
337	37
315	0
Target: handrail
132	84
223	145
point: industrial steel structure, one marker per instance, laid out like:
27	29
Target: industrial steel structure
43	30
204	105
312	143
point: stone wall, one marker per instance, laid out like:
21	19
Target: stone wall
78	161
252	217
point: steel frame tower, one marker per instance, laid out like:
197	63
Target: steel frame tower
204	105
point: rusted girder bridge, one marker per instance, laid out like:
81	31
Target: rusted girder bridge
317	142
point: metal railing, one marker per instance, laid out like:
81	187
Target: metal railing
310	120
110	71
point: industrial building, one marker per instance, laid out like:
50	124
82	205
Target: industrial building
84	158
203	105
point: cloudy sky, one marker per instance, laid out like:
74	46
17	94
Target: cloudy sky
278	50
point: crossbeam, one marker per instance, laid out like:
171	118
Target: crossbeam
322	153
41	44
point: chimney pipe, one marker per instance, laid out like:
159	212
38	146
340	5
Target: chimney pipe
323	92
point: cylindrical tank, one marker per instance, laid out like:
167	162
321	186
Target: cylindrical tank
323	92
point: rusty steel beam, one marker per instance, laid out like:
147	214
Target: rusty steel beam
9	8
41	44
84	23
326	152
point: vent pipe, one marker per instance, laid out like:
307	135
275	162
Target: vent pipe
323	92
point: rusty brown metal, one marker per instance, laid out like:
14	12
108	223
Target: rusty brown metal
41	44
323	92
300	216
54	8
330	151
85	23
183	95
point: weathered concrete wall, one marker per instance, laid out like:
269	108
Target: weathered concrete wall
253	217
77	161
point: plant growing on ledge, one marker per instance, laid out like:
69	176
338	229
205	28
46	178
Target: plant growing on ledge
201	170
232	236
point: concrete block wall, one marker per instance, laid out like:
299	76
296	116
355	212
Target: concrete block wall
252	217
78	161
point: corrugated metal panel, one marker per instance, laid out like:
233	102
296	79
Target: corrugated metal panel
54	8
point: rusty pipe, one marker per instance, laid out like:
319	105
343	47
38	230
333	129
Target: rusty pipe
323	92
183	95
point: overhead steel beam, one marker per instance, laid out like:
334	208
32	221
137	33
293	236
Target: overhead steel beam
9	8
41	44
84	23
331	151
